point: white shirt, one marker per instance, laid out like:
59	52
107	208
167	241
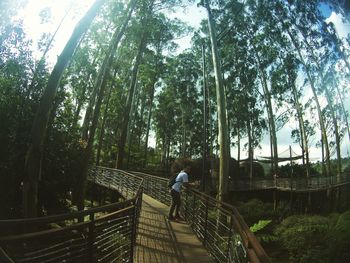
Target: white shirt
181	178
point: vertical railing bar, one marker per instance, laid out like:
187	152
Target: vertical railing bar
206	221
229	240
91	237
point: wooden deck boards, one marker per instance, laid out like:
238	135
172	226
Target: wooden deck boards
161	241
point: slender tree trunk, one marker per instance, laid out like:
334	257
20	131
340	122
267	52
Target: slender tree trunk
122	140
318	107
33	157
47	48
267	97
100	140
101	86
131	131
205	151
305	147
336	129
250	148
80	100
148	125
183	137
238	145
344	111
142	112
222	121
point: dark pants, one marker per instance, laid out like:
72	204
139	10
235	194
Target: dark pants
175	203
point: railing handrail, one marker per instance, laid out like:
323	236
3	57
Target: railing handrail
254	249
155	186
290	183
66	216
119	220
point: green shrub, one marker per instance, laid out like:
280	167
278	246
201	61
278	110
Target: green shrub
339	238
262	231
253	210
305	238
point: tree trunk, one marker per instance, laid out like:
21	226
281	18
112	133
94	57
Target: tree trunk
183	137
267	98
148	125
336	129
104	117
33	156
250	149
122	140
80	101
42	59
319	111
205	150
222	121
131	131
344	111
103	76
305	147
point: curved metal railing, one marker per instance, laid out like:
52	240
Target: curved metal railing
106	233
291	184
219	226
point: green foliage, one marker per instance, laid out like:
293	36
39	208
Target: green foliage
339	238
260	225
305	238
253	210
297	170
262	231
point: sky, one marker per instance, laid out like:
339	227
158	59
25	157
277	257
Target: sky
191	15
31	19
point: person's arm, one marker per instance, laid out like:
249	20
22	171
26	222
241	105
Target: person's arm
187	184
185	181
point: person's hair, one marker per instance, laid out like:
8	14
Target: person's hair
180	164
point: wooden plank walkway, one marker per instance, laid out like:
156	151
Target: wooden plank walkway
162	241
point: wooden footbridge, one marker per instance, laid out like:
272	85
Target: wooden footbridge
134	230
301	185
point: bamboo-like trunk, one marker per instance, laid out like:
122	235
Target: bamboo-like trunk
32	163
104	76
267	98
326	158
336	129
222	121
148	125
205	152
305	147
127	111
104	117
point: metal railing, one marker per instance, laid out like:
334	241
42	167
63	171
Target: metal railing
101	234
288	184
219	226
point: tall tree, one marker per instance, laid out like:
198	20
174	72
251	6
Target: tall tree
33	157
101	83
222	118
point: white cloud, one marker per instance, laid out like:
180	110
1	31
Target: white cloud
343	29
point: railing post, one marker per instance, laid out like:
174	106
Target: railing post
193	210
229	240
91	237
135	221
186	206
206	221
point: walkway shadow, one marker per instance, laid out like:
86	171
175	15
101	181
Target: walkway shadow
156	241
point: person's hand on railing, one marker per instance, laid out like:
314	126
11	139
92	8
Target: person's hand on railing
194	185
